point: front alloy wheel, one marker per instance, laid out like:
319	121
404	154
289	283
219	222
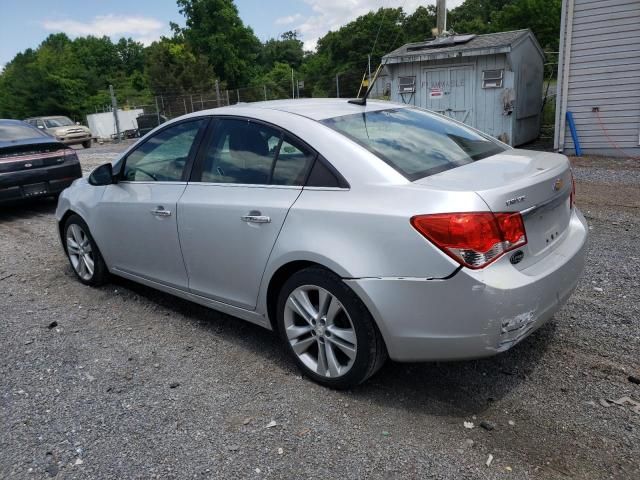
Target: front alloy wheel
84	256
80	252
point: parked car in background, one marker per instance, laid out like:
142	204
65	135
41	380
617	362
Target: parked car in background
32	163
63	129
355	231
149	121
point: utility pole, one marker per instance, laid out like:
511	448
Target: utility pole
157	111
337	86
293	86
114	107
238	94
369	62
265	92
441	16
218	93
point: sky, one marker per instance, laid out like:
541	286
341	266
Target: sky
24	24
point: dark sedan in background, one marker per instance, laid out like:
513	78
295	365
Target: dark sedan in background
32	163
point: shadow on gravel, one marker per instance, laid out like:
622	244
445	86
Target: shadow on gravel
439	388
25	209
457	388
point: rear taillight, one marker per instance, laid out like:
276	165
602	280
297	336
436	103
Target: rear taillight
473	239
70	154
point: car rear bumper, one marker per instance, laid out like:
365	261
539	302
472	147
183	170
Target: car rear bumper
474	313
39	182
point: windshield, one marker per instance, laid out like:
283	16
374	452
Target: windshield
15	131
58	122
415	142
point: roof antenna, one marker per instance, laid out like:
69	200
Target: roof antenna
363	101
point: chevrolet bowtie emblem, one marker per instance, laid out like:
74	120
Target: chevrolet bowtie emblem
558	185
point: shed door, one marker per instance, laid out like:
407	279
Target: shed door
449	91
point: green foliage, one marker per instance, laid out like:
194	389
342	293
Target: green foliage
214	29
71	77
286	49
488	16
172	68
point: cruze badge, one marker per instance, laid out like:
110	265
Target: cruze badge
513	201
558	185
27	165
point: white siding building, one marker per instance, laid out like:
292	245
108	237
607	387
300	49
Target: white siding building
599	77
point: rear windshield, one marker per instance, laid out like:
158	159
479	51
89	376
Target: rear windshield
14	131
415	142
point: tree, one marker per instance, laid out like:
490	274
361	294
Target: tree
488	16
214	29
286	49
172	68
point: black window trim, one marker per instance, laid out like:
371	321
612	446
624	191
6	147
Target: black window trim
196	172
195	148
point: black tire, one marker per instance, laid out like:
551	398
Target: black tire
100	272
371	352
87	144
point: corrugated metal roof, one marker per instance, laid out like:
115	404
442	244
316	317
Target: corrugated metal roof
479	43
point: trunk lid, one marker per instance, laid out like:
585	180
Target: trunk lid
537	184
30	155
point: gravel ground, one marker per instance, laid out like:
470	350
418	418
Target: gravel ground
127	382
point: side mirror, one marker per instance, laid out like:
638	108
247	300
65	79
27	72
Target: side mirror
102	175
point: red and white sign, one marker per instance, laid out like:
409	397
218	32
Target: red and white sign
436	92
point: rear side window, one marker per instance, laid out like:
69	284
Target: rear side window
292	163
251	153
241	152
16	131
415	142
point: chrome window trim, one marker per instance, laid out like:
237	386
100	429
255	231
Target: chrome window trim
548	204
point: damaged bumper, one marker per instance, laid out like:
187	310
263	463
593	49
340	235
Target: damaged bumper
474	313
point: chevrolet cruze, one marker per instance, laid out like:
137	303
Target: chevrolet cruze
357	232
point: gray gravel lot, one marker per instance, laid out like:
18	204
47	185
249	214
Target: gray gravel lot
133	383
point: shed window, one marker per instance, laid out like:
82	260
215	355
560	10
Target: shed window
407	84
492	78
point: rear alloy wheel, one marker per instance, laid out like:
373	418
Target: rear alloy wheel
328	330
83	253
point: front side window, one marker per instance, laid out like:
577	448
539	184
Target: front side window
415	142
163	157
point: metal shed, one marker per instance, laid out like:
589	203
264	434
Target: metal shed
492	82
599	77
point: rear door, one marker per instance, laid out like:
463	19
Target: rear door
231	213
135	223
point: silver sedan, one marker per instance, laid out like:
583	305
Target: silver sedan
357	232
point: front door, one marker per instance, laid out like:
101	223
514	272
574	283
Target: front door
449	91
229	218
136	225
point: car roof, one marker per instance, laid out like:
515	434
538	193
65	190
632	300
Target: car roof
46	117
313	108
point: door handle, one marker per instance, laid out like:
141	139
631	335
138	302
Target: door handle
255	217
160	212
